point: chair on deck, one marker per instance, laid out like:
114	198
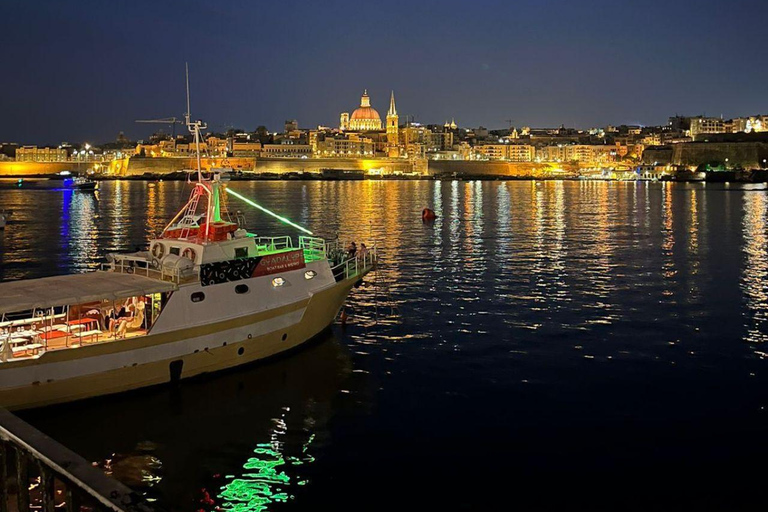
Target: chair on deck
132	323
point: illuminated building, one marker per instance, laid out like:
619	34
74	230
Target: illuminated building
510	152
750	124
393	129
352	147
35	154
706	125
576	153
286	150
246	148
364	118
344	121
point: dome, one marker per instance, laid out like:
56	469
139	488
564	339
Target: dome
366	113
365	117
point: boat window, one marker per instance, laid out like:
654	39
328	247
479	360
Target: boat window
198	297
241	252
175	250
241	288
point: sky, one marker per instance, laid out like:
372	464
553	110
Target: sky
84	71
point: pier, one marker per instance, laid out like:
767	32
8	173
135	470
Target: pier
38	473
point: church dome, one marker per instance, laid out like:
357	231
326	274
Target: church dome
365	117
366	113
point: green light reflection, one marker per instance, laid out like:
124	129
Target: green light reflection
265	481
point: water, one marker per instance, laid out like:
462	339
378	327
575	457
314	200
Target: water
584	345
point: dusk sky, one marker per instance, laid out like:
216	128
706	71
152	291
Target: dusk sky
83	71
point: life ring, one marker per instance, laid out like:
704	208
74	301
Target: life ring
155	263
189	253
158	250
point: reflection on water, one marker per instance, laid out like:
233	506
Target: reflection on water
562	332
755	278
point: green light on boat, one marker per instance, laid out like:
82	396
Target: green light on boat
268	212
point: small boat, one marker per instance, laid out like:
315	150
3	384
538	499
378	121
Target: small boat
207	295
81	183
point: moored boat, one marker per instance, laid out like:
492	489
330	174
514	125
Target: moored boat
206	296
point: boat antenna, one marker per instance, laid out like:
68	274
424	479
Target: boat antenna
187	115
194	128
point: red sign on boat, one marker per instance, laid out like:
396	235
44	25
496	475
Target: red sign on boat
281	262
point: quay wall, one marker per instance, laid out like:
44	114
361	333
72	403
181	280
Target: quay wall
749	155
12	168
139	166
462	168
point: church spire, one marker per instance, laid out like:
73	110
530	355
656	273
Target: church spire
392	109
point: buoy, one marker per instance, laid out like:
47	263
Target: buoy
428	214
344	318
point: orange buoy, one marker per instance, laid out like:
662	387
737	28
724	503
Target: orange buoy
343	318
428	214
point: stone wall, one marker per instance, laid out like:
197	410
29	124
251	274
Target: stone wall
12	168
749	155
462	168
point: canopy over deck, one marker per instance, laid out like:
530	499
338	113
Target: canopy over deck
28	294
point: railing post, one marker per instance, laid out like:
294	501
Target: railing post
3	477
46	488
22	480
73	500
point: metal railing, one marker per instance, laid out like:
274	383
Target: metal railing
141	268
273	243
356	265
38	462
314	248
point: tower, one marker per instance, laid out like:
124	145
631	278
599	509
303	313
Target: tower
393	149
344	121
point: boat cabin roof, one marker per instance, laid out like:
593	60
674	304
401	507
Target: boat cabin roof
46	292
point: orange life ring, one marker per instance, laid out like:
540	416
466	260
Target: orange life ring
189	253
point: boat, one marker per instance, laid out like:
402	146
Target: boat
81	183
207	295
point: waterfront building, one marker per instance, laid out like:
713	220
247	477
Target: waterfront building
286	150
509	152
247	148
35	154
364	118
597	153
351	147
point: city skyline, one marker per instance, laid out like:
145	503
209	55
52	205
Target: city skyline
537	63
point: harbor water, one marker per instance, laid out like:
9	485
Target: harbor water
540	345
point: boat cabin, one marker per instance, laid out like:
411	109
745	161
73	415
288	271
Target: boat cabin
71	311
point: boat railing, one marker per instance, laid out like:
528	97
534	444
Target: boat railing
314	248
357	265
142	268
273	243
